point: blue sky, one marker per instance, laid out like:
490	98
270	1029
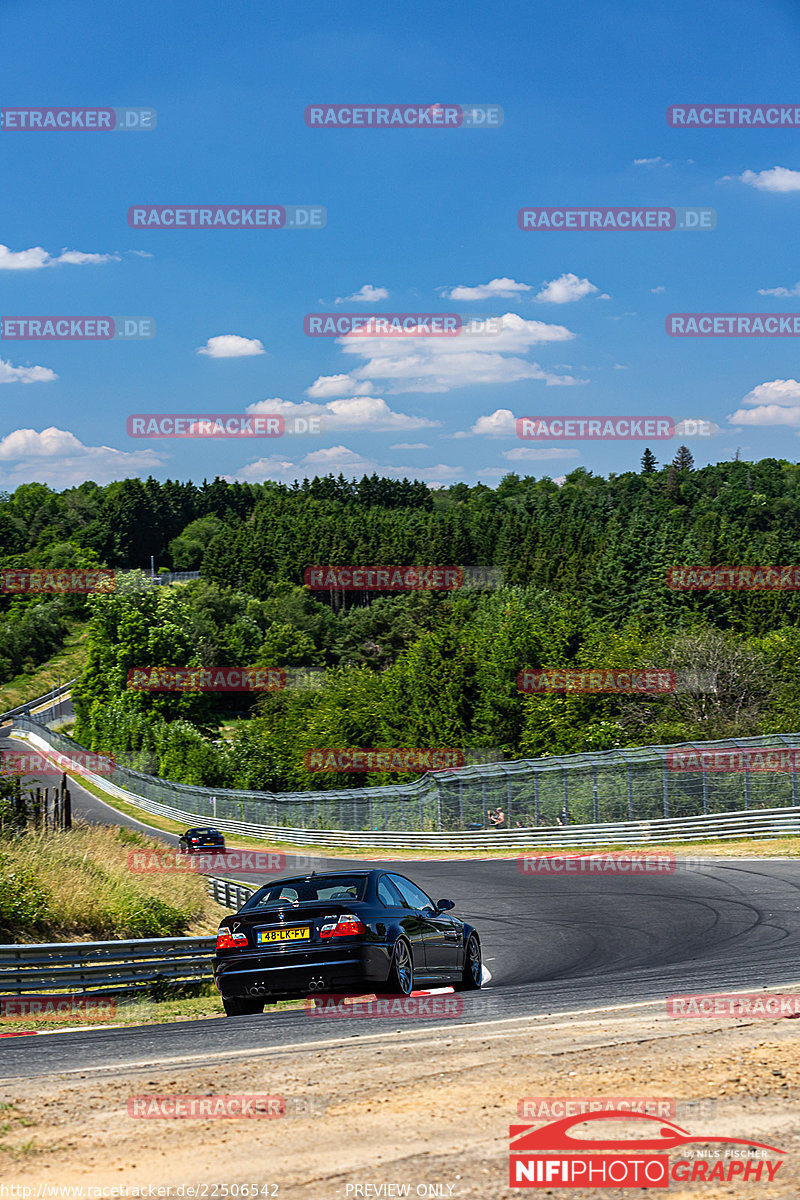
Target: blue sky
412	213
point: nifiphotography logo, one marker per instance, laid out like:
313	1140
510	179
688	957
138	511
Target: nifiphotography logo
550	1156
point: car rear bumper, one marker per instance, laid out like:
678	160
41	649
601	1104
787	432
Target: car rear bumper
299	972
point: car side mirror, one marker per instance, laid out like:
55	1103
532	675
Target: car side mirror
445	905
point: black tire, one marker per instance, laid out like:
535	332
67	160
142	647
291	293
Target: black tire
401	973
472	975
242	1006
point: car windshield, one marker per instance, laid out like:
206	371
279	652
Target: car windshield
303	890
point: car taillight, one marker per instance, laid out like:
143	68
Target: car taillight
347	926
230	941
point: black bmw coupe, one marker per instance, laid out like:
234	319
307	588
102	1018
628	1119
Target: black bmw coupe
339	932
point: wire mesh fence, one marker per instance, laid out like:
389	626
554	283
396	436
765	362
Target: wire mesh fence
634	784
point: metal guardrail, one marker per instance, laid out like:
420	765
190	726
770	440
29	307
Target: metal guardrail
117	967
229	893
26	708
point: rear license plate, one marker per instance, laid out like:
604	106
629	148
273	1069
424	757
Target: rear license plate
298	933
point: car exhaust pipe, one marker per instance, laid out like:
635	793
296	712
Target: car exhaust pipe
316	985
258	989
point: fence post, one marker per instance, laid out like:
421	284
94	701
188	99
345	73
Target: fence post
483	800
665	776
438	804
746	785
461	800
566	796
509	799
595	805
630	791
705	791
67	808
536	813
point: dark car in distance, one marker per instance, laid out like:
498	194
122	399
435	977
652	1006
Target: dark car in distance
201	839
341	931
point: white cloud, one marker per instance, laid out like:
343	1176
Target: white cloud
37	257
439	364
78	258
336	459
500	423
354	412
57	457
776	402
410	446
620	367
538	453
779	179
780	291
231	345
657	290
495	289
368	294
9	374
650	162
338	385
565	289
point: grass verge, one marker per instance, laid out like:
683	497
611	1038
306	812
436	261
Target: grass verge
64	665
77	886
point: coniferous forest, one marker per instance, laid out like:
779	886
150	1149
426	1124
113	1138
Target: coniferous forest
581	581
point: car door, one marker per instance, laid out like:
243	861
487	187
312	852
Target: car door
414	926
442	933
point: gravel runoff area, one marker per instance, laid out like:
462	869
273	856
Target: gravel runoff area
426	1111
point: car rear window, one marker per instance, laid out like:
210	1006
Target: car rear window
301	891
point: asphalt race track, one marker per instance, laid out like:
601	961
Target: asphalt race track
553	944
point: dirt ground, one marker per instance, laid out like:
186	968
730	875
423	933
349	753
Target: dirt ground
426	1111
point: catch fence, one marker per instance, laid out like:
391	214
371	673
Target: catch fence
613	786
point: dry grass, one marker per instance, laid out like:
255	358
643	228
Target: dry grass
80	887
